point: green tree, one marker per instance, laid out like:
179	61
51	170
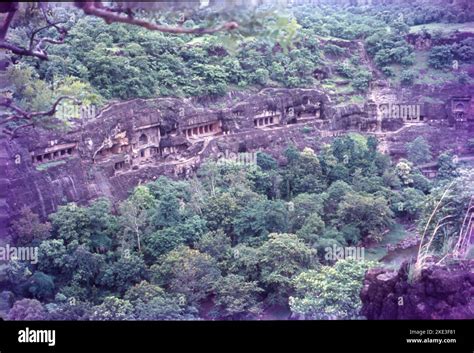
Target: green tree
447	166
312	229
266	161
82	91
441	57
260	218
188	272
244	260
52	257
134	220
41	286
85	267
361	81
220	211
29	91
151	302
332	292
412	203
303	173
282	257
215	243
407	78
418	151
165	240
335	194
404	170
303	206
370	214
28	229
167	213
112	308
128	270
27	310
71	223
103	225
236	298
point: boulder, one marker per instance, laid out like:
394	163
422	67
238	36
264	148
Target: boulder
442	292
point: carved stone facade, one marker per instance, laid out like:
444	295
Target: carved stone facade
462	109
136	141
53	153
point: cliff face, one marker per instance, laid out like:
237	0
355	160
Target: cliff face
136	141
133	142
442	292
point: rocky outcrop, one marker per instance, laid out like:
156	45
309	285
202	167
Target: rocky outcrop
136	141
133	142
406	243
442	292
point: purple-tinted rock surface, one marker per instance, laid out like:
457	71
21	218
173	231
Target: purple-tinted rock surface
442	292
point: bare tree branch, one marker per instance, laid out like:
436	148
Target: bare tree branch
12	133
49	25
96	8
8	103
93	8
22	51
33	49
53	108
22	114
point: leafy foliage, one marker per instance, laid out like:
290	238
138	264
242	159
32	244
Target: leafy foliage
237	239
330	293
418	151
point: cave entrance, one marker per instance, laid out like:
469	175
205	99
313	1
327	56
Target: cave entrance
202	130
143	139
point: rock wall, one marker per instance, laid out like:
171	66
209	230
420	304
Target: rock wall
442	292
134	142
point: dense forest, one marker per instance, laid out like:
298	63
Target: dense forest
237	240
99	62
233	241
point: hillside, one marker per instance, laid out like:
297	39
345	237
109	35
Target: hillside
217	161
